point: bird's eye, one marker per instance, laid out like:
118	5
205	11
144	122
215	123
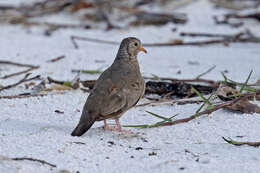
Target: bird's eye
136	44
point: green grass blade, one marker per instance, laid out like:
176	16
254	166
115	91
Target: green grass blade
158	116
88	71
91	71
245	84
204	99
67	83
141	125
225	77
152	125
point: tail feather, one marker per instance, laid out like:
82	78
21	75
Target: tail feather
86	121
81	129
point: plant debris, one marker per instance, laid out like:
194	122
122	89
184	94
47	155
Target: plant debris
177	89
30	68
148	18
238	143
152	154
24	79
57	58
34	160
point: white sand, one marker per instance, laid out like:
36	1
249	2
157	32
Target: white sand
30	127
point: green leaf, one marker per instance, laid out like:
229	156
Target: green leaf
155	77
155	124
91	71
158	116
67	83
88	71
225	77
204	99
245	84
231	141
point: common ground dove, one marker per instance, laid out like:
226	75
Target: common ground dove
117	89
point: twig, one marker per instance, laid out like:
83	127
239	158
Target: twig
19	73
74	38
197	114
191	43
35	160
255	15
198	34
51	80
17	64
24	79
27	95
56	59
212	82
208	111
226	21
238	143
178	102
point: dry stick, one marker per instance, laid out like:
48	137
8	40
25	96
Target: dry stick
52	26
192	43
17	64
208	42
55	81
212	82
20	96
24	79
74	38
56	59
32	159
217	107
19	73
179	102
198	34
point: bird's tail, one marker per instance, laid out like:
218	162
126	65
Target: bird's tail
86	121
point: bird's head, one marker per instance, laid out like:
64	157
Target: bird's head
129	48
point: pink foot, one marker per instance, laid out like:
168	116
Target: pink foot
118	129
107	127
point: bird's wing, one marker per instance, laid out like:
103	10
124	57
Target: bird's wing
115	103
108	96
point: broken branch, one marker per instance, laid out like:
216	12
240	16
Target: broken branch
35	160
209	111
24	79
19	73
56	59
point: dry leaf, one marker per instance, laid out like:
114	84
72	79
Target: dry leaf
245	106
59	87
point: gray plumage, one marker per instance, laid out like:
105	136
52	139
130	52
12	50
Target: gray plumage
117	89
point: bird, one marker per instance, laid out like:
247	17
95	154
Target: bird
117	89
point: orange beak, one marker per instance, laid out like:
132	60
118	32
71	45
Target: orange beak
142	49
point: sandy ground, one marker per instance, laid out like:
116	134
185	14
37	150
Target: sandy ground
31	128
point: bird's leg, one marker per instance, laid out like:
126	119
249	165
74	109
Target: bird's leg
119	127
107	127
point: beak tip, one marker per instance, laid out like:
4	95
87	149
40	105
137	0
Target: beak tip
143	49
